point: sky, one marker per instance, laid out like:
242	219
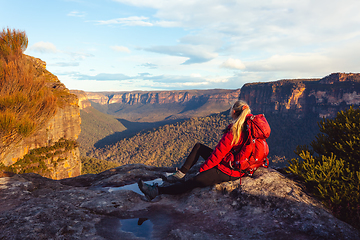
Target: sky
128	45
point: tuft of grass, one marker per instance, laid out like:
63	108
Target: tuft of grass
12	44
26	102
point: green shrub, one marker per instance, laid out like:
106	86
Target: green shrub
330	169
34	161
94	166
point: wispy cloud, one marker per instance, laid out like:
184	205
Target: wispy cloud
47	47
129	21
104	77
66	64
292	62
194	54
149	65
79	55
233	64
44	47
120	49
76	14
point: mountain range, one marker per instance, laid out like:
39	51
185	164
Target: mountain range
292	107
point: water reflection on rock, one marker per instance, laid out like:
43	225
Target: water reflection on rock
134	187
140	227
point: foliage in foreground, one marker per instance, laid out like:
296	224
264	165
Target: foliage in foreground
94	166
330	169
26	102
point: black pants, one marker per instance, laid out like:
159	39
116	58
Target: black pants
203	179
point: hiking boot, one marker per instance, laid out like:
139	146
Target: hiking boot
176	176
150	191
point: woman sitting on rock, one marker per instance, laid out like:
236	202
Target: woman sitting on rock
213	170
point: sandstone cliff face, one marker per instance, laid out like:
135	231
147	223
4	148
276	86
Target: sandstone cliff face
323	97
83	101
64	125
109	206
163	97
158	106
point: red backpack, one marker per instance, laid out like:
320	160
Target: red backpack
253	154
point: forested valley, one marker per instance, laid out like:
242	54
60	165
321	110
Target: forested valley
170	144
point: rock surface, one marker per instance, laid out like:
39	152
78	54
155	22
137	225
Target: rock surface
266	206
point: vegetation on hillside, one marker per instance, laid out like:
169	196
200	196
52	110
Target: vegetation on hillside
94	166
170	144
25	100
331	168
95	126
287	132
35	162
167	145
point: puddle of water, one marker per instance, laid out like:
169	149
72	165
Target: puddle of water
134	187
140	227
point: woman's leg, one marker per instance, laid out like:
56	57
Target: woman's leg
203	179
197	151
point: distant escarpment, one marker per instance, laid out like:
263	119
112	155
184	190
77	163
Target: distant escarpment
321	97
294	107
141	105
50	148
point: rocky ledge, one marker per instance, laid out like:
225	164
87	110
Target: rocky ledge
265	206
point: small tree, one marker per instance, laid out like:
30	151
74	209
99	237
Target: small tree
330	169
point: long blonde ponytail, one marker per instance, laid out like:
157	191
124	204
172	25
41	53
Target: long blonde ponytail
241	109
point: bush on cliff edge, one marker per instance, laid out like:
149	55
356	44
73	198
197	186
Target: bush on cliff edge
25	100
330	169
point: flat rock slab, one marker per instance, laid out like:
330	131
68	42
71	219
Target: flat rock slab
265	206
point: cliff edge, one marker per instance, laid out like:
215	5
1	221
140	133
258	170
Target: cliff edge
51	149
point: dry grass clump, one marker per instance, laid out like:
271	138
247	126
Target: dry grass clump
25	100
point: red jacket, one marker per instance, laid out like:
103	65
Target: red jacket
222	149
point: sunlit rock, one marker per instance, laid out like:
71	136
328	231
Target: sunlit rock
265	206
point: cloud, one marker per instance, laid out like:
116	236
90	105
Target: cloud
194	54
104	77
47	47
292	62
260	26
79	55
167	24
66	64
129	21
142	75
149	65
233	64
120	49
76	14
177	79
44	47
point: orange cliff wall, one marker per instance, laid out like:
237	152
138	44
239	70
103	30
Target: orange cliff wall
64	125
322	97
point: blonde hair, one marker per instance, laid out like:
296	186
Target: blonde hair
242	109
